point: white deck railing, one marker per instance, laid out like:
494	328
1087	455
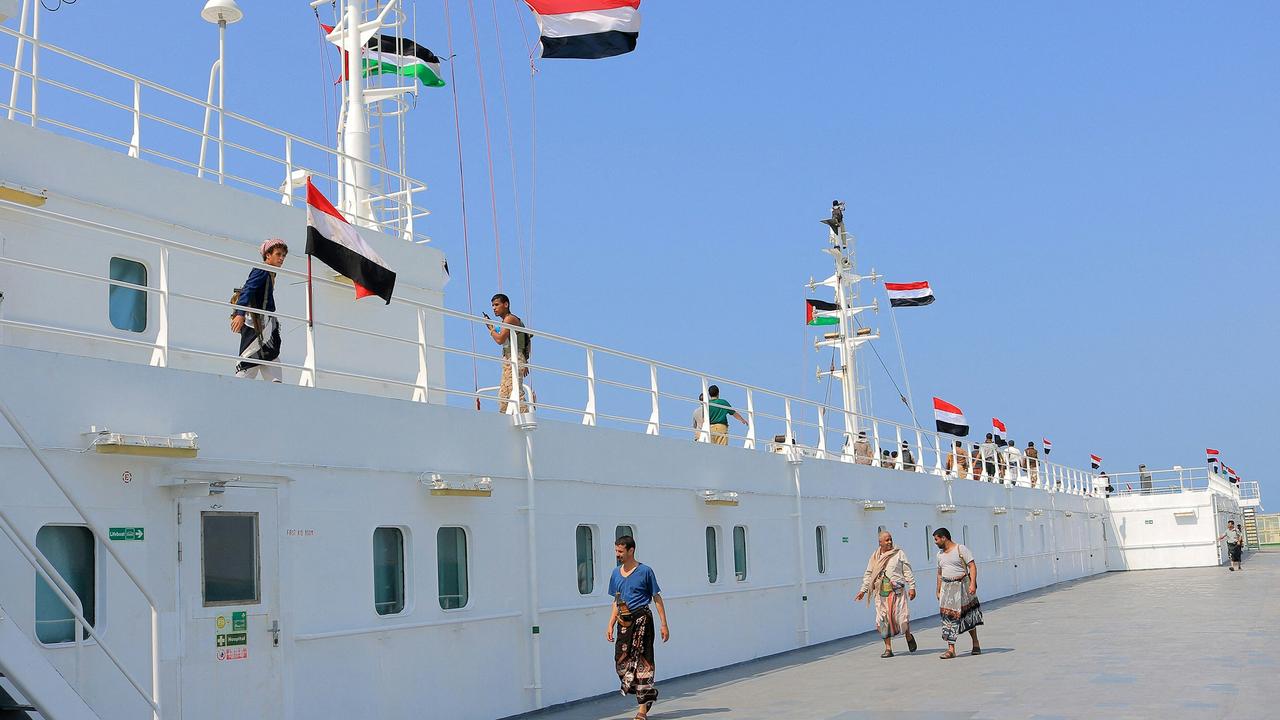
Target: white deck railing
1175	480
575	380
147	120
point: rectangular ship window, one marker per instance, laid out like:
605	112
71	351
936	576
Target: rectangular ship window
70	549
740	552
229	558
388	570
713	555
451	567
127	306
585	541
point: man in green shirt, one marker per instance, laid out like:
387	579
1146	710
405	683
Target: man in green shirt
718	412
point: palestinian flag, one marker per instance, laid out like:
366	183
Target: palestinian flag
1048	445
912	294
1095	462
586	29
388	54
949	418
997	427
332	240
821	312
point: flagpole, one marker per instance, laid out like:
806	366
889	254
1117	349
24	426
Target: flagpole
311	322
902	359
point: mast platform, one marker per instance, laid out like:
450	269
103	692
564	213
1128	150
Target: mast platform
1187	643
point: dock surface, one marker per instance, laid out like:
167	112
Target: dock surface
1189	643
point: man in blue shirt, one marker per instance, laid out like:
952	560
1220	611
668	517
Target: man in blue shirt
260	336
634	587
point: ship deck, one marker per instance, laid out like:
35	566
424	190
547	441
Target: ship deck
1187	643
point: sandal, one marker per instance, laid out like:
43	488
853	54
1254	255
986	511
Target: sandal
886	654
948	655
976	650
911	643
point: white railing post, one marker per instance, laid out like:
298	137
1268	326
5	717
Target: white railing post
704	432
919	463
160	354
17	59
135	144
422	385
286	196
847	449
822	430
589	412
515	404
655	420
791	434
938	469
750	442
35	63
897	447
875	444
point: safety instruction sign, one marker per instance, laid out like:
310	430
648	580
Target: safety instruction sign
232	637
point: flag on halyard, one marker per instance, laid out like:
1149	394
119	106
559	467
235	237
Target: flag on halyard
912	294
949	418
821	312
586	29
1095	461
1211	454
997	427
395	56
1048	445
335	243
1231	474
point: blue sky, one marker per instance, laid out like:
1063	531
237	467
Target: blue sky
1090	188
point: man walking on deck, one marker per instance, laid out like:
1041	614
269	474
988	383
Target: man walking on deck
718	412
502	310
1033	463
260	333
957	593
634	587
1235	545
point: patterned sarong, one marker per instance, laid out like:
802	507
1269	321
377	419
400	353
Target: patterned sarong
633	655
892	614
255	346
960	610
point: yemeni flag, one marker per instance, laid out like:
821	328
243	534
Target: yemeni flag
1231	474
1212	455
912	294
821	312
391	55
1048	445
1095	461
332	240
586	29
997	427
949	418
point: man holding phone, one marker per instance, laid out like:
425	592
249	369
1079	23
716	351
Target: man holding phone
524	341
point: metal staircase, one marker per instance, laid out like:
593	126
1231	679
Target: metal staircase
1251	529
30	687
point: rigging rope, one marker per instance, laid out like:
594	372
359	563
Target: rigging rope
901	397
511	154
462	183
533	146
488	144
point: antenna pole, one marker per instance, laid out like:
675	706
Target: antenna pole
355	135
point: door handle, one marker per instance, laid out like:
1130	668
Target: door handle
275	633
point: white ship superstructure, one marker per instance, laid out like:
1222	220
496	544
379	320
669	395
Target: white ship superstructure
360	541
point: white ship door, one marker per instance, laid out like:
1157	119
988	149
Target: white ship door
229	604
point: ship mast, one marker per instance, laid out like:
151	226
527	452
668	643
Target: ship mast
849	337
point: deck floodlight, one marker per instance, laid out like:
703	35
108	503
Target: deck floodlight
999	510
720	497
222	11
946	508
872	505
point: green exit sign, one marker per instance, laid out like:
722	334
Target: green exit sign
125	533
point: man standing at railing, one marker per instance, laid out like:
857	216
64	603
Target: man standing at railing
260	335
502	309
718	412
958	461
989	451
908	460
1235	545
862	449
1144	479
1033	463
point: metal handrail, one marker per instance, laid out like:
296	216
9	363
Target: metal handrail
928	446
404	208
153	699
